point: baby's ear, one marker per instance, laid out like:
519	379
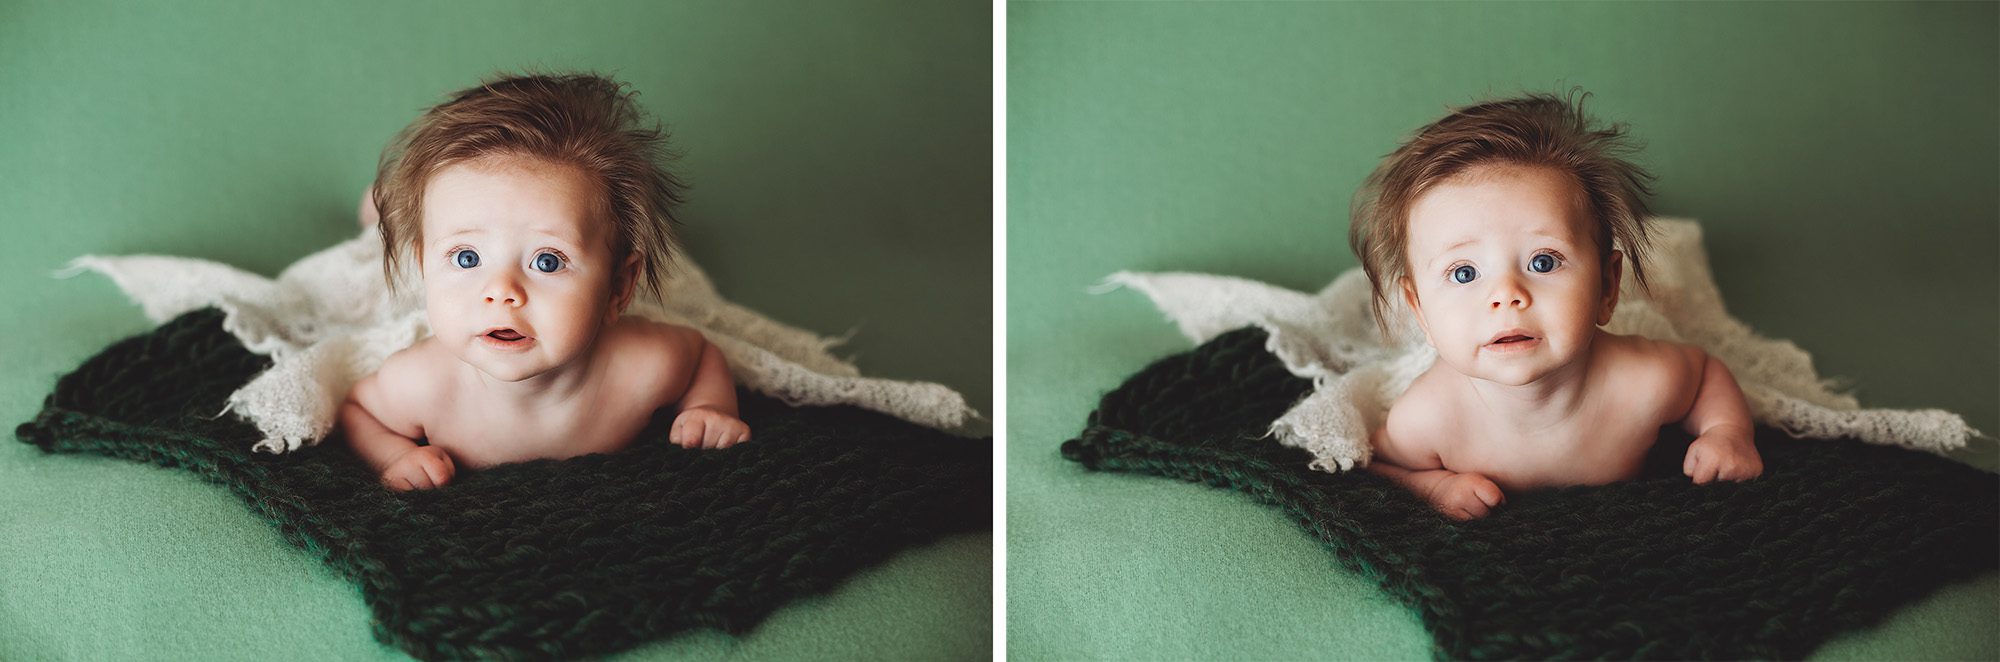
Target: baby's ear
1409	289
624	283
1614	267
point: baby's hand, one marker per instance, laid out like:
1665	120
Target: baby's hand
1724	453
421	468
705	427
1465	496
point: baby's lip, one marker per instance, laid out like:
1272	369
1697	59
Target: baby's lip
514	330
1517	334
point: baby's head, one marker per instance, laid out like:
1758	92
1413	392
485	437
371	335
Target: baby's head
1505	226
532	204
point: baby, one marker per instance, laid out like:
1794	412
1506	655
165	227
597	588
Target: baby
1506	226
533	207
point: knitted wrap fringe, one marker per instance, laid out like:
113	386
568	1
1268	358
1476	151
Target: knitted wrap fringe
549	558
1835	535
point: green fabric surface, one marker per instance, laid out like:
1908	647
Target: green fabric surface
1831	536
544	559
839	156
1840	158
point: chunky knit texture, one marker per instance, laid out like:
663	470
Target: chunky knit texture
1834	535
547	558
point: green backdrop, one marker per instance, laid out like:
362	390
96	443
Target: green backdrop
840	156
1842	158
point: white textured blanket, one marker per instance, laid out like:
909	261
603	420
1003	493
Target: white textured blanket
1331	337
329	320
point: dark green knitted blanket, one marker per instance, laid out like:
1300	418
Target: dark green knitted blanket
1834	535
548	558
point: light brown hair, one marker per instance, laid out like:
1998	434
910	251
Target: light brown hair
1536	130
583	121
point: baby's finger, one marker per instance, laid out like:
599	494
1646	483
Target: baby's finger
1753	468
1707	461
712	437
437	475
691	433
1706	471
1488	494
1693	460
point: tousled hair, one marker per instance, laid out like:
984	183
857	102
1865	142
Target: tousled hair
1536	130
583	121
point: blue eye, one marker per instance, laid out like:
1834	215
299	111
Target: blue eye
1542	264
1464	273
547	263
466	259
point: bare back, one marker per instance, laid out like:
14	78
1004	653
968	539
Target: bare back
1634	386
637	367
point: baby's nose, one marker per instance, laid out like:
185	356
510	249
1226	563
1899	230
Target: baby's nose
506	292
1511	295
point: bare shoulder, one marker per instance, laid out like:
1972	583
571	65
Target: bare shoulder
640	335
1664	375
1421	425
655	358
407	384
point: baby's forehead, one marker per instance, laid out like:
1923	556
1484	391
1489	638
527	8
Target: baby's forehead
1447	236
1500	202
489	197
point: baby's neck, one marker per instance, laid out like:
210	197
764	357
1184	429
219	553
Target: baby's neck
544	392
1544	404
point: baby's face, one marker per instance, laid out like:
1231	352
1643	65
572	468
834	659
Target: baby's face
1505	277
512	245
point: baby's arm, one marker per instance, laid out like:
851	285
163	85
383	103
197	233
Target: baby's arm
1404	453
1724	447
394	455
708	408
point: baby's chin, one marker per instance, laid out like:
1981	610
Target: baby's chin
508	378
508	372
1503	375
1510	379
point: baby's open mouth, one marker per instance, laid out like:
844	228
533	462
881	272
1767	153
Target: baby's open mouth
505	334
1511	339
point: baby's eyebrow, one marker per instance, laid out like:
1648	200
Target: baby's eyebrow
1551	235
568	237
1446	253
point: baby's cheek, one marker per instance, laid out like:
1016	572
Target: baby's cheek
1451	334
